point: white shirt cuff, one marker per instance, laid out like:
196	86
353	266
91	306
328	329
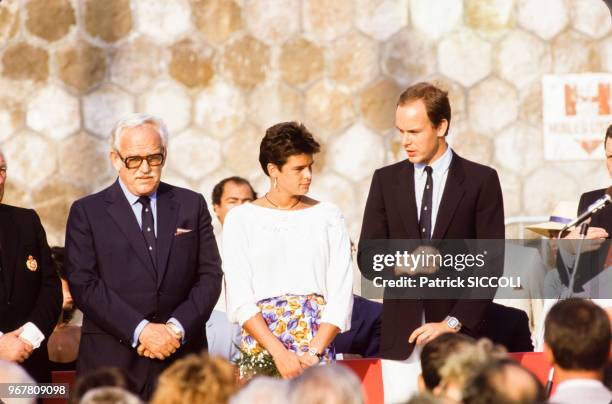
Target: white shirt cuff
32	334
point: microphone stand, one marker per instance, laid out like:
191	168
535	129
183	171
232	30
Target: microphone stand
584	227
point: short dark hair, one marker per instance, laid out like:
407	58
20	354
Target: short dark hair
490	385
436	352
578	333
435	99
100	377
284	140
608	134
217	192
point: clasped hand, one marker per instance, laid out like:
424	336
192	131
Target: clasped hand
158	341
13	348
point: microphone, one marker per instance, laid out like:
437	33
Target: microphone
595	207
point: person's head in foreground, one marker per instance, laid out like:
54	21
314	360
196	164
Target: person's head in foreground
201	379
109	395
463	365
326	384
503	381
286	156
577	339
434	355
12	373
139	144
102	377
422	118
262	390
229	193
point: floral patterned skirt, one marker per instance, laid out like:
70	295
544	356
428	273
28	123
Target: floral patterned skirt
293	319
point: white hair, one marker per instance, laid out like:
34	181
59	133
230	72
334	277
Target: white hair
109	395
262	390
137	119
13	373
326	384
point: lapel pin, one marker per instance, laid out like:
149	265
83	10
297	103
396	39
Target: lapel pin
31	263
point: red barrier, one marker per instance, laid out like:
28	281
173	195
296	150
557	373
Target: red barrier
61	377
369	372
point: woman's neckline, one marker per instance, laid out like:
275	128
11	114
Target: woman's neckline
283	210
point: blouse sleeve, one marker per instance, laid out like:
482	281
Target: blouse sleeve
238	272
339	276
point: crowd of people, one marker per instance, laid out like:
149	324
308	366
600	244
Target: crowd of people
169	312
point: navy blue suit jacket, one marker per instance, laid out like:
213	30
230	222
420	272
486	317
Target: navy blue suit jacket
364	336
116	285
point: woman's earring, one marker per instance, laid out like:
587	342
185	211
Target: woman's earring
275	183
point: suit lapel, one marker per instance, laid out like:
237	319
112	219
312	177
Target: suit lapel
405	197
120	210
10	238
167	216
453	192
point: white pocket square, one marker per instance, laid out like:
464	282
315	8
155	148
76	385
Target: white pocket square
180	231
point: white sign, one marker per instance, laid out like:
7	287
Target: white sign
576	112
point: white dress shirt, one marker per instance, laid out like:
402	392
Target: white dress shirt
440	173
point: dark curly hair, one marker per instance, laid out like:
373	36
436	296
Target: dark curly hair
283	140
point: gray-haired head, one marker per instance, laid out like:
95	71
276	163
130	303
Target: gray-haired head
262	390
109	395
327	384
11	372
135	120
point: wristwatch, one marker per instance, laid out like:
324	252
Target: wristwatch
453	323
314	352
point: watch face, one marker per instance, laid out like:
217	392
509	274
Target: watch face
452	322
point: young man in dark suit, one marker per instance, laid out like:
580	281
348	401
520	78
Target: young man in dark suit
434	194
142	262
30	290
596	250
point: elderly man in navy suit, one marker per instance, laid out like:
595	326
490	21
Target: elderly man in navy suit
142	262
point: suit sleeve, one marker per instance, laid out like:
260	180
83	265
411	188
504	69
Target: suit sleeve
49	301
97	301
374	226
489	226
196	309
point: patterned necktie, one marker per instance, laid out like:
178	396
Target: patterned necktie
426	206
148	227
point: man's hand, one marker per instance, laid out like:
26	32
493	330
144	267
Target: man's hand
592	241
157	341
426	266
428	332
14	349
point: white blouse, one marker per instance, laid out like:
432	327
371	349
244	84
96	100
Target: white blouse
270	252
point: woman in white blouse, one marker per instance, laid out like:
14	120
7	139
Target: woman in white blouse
287	259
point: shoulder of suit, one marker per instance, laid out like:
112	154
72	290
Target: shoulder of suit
472	166
592	196
17	211
392	169
178	191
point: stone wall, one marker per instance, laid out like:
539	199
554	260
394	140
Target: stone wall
220	71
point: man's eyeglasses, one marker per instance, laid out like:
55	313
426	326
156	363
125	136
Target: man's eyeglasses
153	160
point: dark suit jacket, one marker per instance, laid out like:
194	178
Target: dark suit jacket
509	327
471	208
115	284
364	336
34	296
591	263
